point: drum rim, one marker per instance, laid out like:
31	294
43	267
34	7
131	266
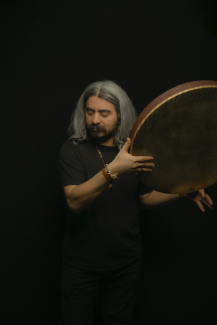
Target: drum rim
158	101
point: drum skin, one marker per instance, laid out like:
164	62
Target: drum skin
179	129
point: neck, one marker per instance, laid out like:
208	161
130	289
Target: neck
108	143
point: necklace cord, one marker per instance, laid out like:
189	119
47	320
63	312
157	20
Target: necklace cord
106	173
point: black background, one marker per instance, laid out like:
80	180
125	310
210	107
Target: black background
51	50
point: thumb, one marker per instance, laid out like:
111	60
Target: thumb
127	144
202	193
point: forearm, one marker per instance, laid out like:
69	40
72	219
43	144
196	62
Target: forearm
84	194
157	199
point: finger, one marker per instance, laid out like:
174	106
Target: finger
143	170
146	170
202	193
145	164
205	202
143	158
200	205
209	200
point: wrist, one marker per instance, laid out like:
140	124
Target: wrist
112	169
112	176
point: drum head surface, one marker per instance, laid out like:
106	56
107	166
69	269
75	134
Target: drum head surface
179	129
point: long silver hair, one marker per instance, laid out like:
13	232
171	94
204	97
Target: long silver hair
112	92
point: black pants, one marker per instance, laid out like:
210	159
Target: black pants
118	289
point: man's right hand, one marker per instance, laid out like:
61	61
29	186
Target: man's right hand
125	163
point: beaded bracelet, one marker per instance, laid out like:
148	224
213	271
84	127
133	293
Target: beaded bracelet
107	176
114	177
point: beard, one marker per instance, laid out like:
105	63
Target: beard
94	134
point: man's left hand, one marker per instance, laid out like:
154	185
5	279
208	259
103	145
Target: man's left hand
200	197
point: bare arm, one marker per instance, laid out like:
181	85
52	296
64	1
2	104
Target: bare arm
79	197
156	199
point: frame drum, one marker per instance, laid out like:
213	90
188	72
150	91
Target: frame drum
179	129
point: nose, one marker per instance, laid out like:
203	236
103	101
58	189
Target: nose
96	119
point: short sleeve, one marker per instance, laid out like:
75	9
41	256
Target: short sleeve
143	189
71	169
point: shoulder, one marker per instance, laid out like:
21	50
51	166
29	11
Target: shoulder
71	152
70	146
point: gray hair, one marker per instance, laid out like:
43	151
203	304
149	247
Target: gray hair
112	92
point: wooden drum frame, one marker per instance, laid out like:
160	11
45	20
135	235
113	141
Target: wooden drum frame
179	129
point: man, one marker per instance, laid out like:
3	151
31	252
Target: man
102	247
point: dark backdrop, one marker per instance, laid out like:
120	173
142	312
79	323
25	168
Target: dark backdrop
51	50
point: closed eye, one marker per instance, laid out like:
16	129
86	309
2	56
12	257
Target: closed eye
103	115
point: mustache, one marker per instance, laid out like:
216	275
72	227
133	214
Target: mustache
98	127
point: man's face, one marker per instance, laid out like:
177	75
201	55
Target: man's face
101	119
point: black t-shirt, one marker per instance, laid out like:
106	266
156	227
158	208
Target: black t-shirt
106	234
